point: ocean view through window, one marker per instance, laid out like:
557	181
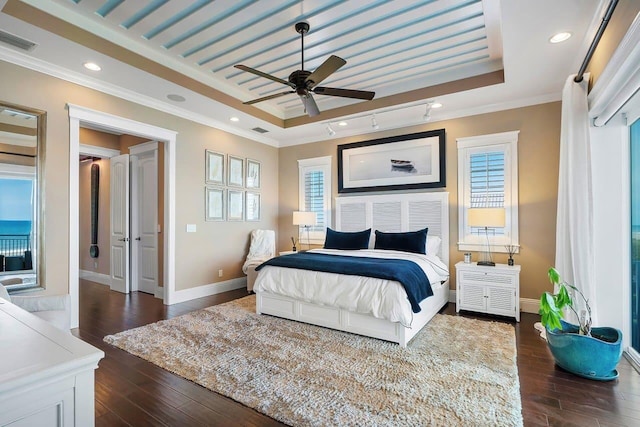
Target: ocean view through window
16	224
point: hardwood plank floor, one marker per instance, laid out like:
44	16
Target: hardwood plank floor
132	392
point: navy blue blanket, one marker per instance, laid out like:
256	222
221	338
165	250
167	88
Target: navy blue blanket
408	273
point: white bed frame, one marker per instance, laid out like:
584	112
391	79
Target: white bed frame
391	213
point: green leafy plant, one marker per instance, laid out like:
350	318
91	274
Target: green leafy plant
552	305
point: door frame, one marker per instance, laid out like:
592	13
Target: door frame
91	118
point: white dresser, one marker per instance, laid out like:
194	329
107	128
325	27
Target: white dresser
494	290
46	374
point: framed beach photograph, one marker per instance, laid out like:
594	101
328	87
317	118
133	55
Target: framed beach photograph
236	171
235	204
214	167
253	174
396	163
214	204
252	205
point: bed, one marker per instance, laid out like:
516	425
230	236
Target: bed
303	295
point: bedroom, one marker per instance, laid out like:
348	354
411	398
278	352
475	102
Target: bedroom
197	274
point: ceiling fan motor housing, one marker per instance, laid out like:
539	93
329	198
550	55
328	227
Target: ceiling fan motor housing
298	78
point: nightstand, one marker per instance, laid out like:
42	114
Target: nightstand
287	252
494	290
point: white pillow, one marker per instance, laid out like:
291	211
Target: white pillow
433	245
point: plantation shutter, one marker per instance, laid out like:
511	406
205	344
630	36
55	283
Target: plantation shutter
314	196
487	186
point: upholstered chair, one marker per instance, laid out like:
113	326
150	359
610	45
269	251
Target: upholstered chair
262	248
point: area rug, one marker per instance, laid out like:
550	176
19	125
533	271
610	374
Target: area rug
455	372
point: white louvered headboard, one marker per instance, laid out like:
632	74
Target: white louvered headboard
397	213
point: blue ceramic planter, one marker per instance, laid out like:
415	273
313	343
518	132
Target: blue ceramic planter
585	356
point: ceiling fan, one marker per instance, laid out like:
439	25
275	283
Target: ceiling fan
304	83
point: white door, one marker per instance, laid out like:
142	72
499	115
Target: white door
144	221
119	224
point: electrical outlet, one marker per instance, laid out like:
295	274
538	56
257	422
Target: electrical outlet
220	273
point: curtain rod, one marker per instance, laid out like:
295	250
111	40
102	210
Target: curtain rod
596	40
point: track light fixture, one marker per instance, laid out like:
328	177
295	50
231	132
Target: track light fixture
374	123
330	130
427	113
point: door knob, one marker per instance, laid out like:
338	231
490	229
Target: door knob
124	239
137	238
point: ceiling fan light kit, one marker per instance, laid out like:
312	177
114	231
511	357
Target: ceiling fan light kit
305	83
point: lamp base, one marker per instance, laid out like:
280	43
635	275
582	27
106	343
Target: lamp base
487	263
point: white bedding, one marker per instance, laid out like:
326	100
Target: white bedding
384	299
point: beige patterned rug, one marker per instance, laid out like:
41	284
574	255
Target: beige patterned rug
456	372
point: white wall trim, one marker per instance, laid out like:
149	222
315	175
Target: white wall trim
102	152
210	289
143	148
78	115
103	279
26	61
633	357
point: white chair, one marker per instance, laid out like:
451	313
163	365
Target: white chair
55	309
262	248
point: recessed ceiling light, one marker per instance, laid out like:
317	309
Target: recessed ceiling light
436	105
560	37
176	98
92	66
234	119
342	123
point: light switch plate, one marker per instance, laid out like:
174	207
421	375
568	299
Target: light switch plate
191	228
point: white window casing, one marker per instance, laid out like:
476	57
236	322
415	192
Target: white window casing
496	146
314	175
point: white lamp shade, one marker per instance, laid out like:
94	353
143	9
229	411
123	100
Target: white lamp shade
304	218
486	217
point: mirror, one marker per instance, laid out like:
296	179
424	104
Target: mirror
22	142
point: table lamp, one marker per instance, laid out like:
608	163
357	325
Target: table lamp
486	217
305	219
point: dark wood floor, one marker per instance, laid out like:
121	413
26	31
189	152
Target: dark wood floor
132	392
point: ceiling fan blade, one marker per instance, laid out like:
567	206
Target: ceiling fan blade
310	105
266	98
325	69
345	93
265	75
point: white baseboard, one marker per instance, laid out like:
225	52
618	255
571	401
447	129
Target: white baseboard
159	292
103	279
207	290
527	305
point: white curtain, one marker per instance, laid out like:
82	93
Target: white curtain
574	227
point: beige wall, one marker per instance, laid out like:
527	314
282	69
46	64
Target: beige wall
216	245
86	262
99	139
538	151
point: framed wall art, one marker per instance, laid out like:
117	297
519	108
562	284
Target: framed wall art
214	204
395	163
236	171
252	206
235	204
253	174
214	167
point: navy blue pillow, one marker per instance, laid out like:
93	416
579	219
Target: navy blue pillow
412	241
347	240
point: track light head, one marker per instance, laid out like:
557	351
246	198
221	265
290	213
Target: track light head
374	123
330	130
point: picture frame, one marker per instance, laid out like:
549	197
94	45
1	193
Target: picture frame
235	205
214	204
252	206
214	167
236	171
402	162
253	174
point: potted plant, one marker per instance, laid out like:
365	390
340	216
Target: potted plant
580	349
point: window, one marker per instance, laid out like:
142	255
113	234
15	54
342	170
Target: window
488	178
315	195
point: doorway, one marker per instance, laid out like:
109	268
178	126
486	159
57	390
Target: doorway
121	242
94	119
634	144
